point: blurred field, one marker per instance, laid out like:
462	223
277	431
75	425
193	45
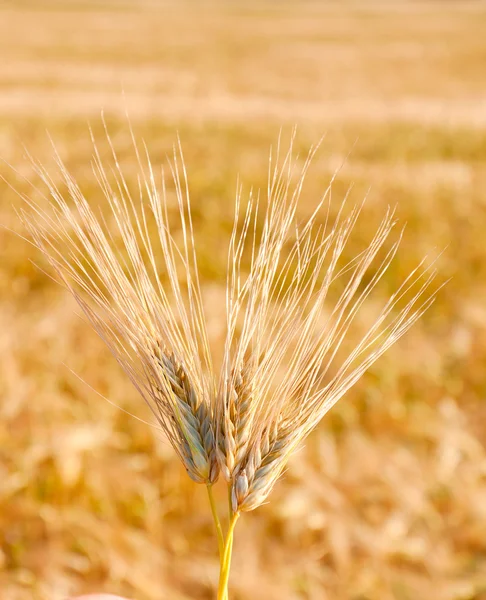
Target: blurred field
387	501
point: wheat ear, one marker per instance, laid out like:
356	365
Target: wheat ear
192	420
288	356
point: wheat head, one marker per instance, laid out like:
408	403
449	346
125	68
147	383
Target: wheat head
287	358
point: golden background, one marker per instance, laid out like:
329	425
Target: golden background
387	500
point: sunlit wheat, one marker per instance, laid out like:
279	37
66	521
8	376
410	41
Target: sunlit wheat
293	297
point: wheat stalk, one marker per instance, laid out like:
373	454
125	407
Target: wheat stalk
287	357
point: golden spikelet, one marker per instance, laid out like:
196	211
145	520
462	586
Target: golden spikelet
236	423
193	430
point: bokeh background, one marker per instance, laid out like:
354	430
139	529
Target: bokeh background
387	500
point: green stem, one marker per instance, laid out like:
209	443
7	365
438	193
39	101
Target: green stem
219	529
226	560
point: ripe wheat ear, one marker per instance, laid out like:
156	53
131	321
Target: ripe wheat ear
293	297
286	361
155	330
